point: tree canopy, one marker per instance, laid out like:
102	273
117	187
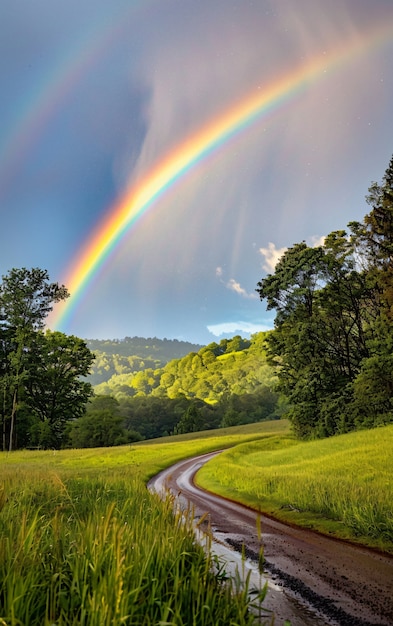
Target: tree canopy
39	372
333	335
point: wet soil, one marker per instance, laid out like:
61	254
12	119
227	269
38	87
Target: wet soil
312	579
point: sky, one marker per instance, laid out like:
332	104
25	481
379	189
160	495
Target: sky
157	156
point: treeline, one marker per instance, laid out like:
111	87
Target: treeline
333	336
327	365
133	354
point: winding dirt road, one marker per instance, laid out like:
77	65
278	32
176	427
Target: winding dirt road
313	580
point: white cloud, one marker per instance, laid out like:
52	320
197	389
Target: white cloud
316	241
271	256
232	328
233	285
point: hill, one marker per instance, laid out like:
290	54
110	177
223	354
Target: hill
233	367
222	384
133	354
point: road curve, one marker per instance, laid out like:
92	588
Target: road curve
313	580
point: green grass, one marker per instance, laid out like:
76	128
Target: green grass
83	542
341	486
146	458
103	551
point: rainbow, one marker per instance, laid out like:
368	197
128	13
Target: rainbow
192	152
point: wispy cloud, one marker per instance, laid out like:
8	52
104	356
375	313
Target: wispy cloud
234	285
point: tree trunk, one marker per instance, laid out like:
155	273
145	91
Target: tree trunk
13	417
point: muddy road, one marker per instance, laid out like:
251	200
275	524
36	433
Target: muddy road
313	580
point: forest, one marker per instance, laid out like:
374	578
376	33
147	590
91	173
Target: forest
133	354
327	364
223	384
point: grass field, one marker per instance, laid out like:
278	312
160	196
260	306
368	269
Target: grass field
82	541
341	486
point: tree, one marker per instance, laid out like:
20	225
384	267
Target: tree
53	387
319	341
375	233
191	421
101	427
374	240
26	298
291	289
333	335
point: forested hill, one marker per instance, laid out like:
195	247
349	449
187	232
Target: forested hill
218	385
133	354
232	367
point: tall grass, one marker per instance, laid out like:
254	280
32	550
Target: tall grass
347	480
103	551
83	542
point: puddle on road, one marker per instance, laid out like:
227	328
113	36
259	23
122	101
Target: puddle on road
278	601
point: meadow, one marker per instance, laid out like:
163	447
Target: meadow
83	542
342	486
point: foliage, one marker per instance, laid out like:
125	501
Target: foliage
39	372
208	374
26	298
333	335
224	383
191	421
133	354
102	425
152	417
54	390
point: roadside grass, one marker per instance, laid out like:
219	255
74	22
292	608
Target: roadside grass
83	542
342	486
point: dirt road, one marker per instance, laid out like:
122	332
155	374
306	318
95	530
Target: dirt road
313	580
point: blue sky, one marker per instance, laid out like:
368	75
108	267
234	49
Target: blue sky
96	92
